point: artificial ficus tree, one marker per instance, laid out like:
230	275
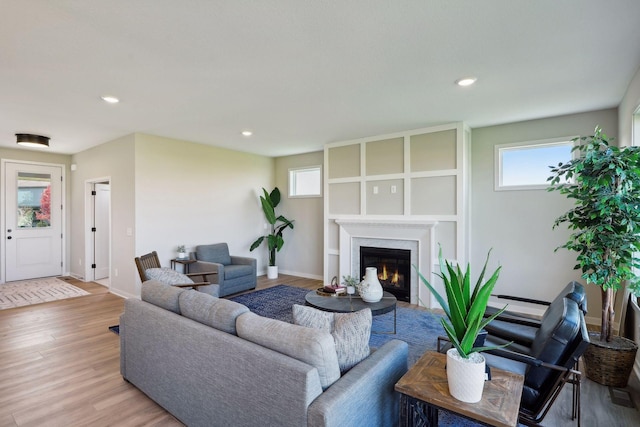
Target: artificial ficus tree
604	182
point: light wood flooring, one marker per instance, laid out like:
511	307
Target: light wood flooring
59	366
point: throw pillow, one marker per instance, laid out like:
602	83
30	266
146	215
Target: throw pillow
167	276
350	331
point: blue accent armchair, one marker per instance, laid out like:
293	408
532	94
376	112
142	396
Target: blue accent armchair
233	274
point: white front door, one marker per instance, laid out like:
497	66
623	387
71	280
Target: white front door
32	220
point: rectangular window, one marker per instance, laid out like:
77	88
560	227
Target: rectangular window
305	182
525	165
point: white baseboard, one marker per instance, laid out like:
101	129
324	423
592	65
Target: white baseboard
121	294
292	273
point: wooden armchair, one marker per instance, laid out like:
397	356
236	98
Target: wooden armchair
151	261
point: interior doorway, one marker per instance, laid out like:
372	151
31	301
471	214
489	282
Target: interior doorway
98	231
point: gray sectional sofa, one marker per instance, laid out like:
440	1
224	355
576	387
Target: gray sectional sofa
198	357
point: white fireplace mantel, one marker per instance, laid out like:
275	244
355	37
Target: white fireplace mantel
419	232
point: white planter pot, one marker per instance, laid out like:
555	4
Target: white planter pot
272	272
370	287
182	255
465	376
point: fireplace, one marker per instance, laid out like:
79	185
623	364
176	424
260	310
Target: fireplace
394	269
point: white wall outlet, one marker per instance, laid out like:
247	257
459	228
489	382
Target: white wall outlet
80	261
115	272
375	189
393	189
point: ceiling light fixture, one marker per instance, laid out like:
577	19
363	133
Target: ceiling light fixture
110	99
33	141
467	81
247	133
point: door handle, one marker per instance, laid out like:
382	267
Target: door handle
9	231
8	237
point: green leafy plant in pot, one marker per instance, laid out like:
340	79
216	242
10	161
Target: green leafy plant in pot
464	308
604	182
278	224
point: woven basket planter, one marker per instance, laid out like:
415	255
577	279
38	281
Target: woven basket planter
610	363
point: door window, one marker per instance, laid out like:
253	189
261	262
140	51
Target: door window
34	200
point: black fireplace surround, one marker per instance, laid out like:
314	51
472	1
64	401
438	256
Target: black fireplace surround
394	269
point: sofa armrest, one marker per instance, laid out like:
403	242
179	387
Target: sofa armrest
243	260
365	394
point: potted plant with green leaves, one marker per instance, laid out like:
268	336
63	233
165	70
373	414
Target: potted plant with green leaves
464	309
604	182
278	224
182	252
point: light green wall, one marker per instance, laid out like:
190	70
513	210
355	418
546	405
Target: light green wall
301	254
630	102
518	224
191	194
27	155
113	160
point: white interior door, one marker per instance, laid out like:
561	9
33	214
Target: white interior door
32	220
101	234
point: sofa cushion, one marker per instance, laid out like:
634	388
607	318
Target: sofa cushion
167	276
211	311
310	346
237	270
218	252
350	331
162	295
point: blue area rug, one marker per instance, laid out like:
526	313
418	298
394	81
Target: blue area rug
419	328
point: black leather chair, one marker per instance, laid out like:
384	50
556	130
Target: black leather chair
521	328
549	363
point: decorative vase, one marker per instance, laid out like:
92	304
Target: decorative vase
272	272
465	376
370	287
182	255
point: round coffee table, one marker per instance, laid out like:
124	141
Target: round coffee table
349	304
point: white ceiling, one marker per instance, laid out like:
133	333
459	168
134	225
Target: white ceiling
300	73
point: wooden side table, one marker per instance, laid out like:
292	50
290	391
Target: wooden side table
185	263
424	391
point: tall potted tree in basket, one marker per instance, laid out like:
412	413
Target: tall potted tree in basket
604	182
464	308
278	224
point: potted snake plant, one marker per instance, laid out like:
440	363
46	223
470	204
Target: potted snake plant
464	308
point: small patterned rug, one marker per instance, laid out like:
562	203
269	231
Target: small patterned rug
36	291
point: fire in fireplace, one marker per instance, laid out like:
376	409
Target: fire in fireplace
394	269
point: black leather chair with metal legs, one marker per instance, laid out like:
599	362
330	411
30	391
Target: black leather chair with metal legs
521	328
549	363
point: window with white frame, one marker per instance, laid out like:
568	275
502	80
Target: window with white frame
305	182
525	165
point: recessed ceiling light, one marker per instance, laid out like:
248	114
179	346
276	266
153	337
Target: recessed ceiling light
247	133
467	81
110	99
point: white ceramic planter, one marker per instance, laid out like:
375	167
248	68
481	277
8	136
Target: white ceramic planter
272	272
465	376
370	287
182	255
